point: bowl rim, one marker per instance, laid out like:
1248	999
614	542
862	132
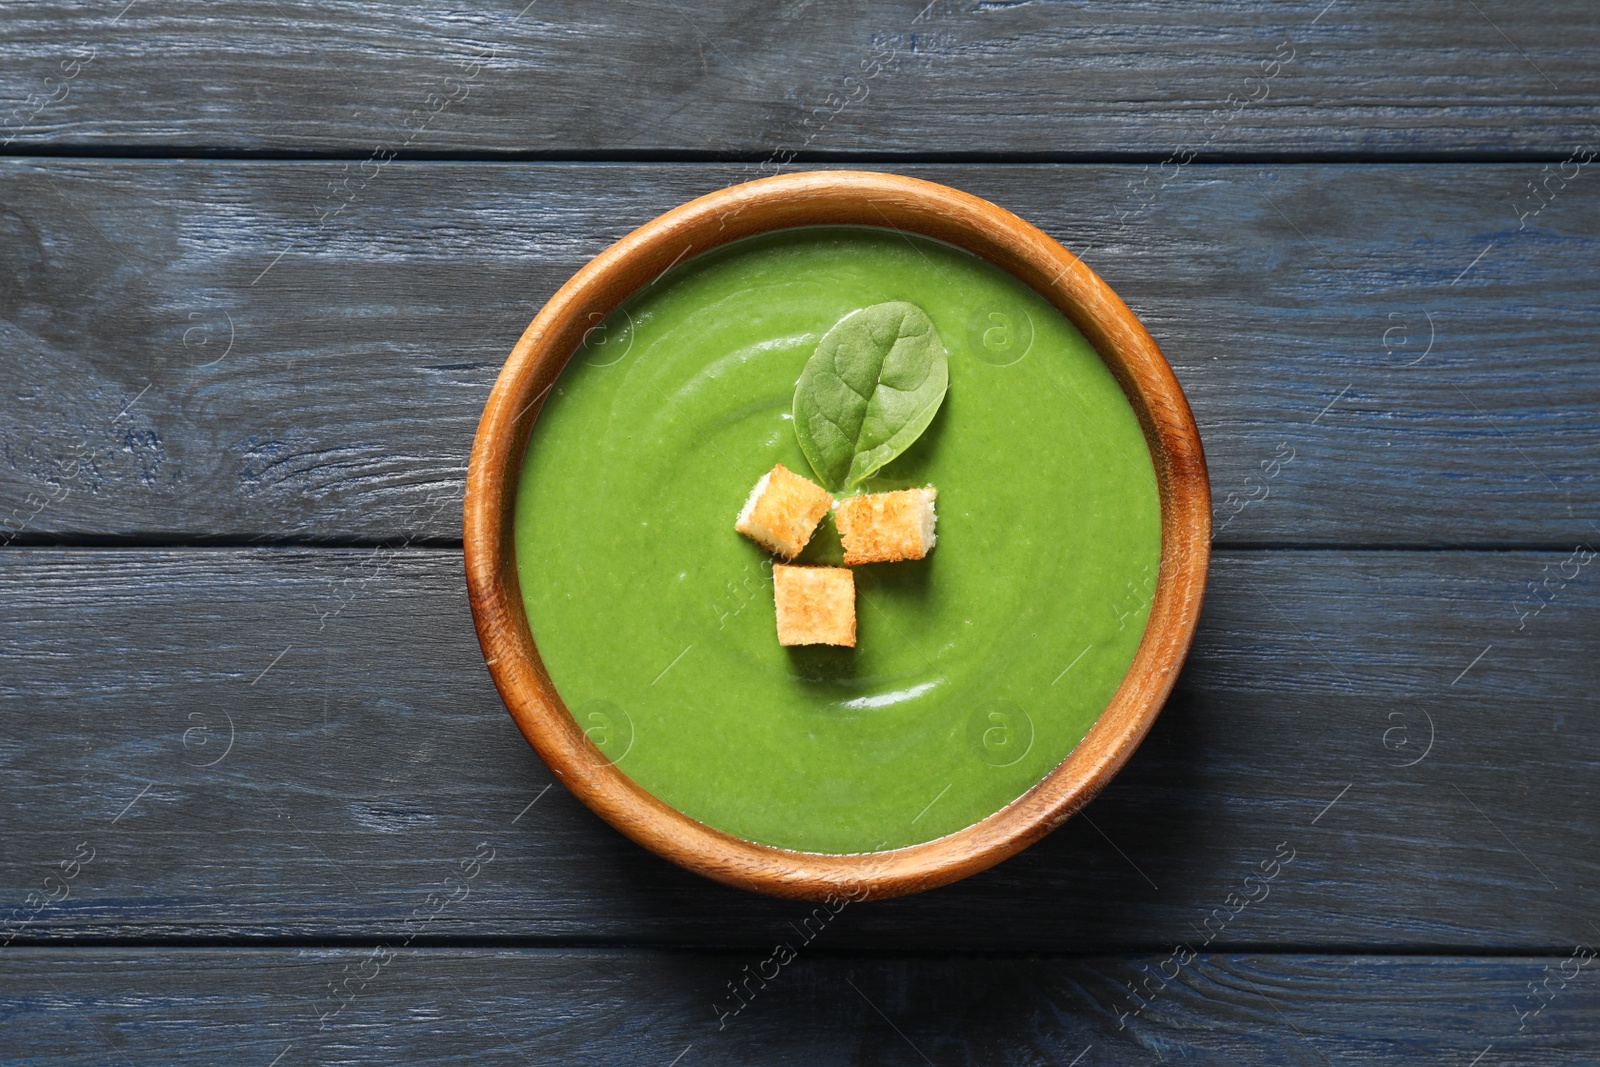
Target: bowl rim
833	197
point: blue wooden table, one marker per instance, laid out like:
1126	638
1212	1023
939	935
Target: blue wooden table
259	265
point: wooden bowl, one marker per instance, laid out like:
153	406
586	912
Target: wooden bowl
841	198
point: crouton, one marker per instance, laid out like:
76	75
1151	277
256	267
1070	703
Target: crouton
816	605
782	511
885	527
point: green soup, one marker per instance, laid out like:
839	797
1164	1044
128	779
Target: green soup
975	671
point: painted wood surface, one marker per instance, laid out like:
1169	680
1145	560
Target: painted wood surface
566	78
388	1004
305	743
241	785
1396	355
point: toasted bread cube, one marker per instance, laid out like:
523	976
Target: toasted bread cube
816	605
886	527
782	511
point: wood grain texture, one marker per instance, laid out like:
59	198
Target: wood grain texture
695	76
304	744
1296	303
371	757
436	1006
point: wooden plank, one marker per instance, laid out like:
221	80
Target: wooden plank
194	355
296	743
886	76
446	1006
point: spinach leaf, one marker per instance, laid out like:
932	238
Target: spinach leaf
868	391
